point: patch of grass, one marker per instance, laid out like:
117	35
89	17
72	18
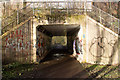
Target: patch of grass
103	71
89	65
15	70
108	75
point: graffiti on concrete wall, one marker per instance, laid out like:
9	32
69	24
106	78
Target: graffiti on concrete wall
42	45
78	46
100	45
78	49
78	42
16	44
16	41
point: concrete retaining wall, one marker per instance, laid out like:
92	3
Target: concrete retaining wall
102	44
16	44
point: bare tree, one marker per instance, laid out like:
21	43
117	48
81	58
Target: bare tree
118	13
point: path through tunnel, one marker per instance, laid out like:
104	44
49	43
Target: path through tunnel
55	41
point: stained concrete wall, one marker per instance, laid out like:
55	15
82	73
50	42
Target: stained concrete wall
81	20
101	44
19	43
16	44
34	36
43	44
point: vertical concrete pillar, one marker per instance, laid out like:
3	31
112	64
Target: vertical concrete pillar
87	42
34	41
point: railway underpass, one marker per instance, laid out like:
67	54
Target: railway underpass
60	39
53	33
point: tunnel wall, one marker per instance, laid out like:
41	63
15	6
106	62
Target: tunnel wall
102	44
81	34
43	44
16	44
70	40
80	54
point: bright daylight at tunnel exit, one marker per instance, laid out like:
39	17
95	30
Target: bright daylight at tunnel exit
59	39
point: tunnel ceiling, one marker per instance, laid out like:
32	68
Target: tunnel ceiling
61	29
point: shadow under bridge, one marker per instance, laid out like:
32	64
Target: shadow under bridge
55	40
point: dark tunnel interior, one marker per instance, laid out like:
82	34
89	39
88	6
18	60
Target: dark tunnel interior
60	43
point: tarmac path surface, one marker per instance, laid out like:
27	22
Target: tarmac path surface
58	64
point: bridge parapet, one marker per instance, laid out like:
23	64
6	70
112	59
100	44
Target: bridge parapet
49	8
76	8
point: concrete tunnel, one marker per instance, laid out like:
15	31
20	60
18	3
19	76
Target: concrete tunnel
45	34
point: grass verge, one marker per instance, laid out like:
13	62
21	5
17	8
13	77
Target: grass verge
14	70
102	71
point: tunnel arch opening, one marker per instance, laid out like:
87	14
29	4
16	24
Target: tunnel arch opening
46	35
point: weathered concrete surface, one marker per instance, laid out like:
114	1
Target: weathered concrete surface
16	43
81	33
43	44
102	44
34	37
